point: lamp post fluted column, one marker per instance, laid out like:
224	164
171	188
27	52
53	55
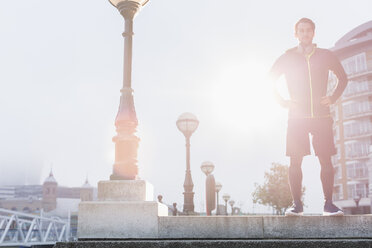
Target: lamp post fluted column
126	142
188	184
187	123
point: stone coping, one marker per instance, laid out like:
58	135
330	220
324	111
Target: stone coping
264	227
147	220
315	243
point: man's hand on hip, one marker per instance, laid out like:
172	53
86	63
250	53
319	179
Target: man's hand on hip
326	101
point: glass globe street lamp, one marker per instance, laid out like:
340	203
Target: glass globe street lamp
232	202
207	167
126	142
226	197
210	186
218	188
187	123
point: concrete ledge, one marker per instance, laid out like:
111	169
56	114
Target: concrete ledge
265	227
204	227
318	227
148	220
359	243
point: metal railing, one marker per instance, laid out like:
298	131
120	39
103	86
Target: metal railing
21	229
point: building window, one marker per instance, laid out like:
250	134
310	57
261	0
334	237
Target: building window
334	112
357	148
332	83
356	190
357	170
356	108
357	87
337	193
338	172
357	128
336	133
355	64
336	158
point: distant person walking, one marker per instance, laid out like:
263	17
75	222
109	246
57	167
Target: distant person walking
174	210
160	198
306	68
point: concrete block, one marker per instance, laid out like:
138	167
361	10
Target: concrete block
119	220
318	227
125	190
210	227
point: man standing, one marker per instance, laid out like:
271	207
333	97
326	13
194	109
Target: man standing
306	68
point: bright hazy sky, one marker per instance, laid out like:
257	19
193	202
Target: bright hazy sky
61	75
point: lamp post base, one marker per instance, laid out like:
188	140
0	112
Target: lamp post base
125	209
125	172
188	206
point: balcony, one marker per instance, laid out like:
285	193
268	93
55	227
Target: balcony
354	156
350	95
356	75
357	136
358	114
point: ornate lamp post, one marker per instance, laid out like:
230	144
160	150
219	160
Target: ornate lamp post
218	188
210	186
126	142
232	202
187	123
226	197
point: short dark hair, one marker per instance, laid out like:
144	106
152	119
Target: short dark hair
305	20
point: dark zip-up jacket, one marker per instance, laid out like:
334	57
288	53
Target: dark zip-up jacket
307	80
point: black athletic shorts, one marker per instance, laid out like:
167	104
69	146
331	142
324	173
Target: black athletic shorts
298	143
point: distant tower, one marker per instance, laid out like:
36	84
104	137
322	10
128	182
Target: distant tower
50	193
86	191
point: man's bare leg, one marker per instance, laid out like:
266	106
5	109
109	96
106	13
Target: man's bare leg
295	178
327	178
295	183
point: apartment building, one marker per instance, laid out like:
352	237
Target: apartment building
352	116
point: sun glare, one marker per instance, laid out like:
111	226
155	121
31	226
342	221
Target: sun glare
243	97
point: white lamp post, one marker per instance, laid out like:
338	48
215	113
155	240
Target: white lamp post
226	197
210	186
232	202
218	188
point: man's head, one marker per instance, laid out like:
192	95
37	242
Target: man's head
304	31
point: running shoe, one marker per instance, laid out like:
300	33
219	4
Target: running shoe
331	210
296	210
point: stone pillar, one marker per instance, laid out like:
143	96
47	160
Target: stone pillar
125	210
